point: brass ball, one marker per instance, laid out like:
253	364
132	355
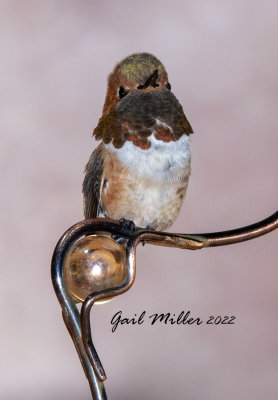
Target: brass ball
94	263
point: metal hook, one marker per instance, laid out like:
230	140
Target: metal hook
70	312
79	325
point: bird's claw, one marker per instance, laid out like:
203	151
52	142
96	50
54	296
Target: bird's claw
150	228
128	224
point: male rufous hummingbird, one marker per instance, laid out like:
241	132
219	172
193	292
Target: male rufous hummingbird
140	170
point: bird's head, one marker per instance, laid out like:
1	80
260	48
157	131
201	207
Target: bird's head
141	72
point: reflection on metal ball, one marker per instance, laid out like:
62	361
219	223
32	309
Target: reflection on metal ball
94	263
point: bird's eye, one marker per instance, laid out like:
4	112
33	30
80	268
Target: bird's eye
168	86
122	92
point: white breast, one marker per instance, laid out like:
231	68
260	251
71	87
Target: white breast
162	161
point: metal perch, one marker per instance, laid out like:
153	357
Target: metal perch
78	324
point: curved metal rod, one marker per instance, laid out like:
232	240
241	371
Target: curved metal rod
200	240
241	234
190	241
70	312
79	326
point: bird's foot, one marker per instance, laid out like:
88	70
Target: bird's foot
150	228
128	224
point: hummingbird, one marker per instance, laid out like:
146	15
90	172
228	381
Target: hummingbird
139	172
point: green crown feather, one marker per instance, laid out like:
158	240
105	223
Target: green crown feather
138	67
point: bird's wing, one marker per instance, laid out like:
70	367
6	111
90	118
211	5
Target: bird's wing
92	183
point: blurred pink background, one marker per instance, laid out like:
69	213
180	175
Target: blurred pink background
222	60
